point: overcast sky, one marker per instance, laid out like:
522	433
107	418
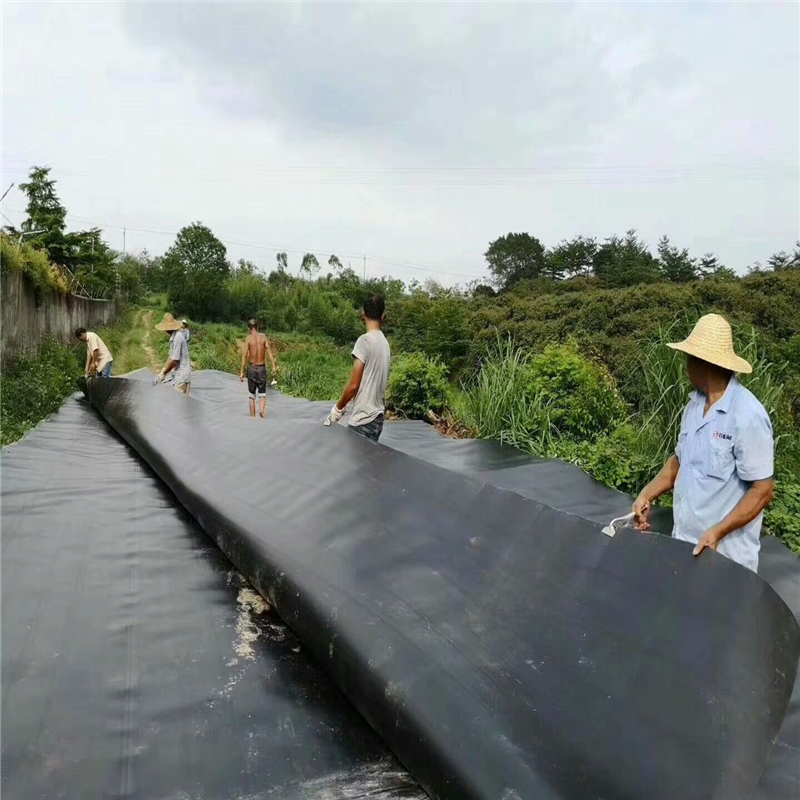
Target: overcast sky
412	133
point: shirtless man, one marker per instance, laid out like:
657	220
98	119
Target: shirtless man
256	348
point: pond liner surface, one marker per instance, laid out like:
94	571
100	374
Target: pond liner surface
500	647
137	663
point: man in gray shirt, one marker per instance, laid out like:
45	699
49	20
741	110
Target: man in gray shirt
178	359
371	359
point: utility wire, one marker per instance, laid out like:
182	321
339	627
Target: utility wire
410	265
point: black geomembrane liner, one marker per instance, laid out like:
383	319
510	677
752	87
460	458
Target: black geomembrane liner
459	593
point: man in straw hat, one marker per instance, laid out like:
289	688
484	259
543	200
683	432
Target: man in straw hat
178	359
722	467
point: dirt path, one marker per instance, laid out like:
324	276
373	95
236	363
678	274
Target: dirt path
146	319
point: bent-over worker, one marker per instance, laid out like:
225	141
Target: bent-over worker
255	351
99	360
722	467
178	359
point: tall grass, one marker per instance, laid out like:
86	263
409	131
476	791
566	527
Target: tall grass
311	367
124	340
496	402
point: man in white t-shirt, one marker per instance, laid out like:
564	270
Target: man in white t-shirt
370	375
99	360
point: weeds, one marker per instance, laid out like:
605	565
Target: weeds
312	368
34	387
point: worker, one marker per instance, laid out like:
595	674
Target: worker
255	351
178	359
369	376
722	467
185	330
99	360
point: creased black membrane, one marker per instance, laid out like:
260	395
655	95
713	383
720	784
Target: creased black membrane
500	647
120	673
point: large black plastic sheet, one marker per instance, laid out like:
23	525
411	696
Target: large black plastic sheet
500	647
135	662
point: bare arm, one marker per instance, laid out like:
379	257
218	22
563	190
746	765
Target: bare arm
353	385
91	360
756	499
663	482
245	351
271	357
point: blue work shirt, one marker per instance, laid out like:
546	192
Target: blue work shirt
721	454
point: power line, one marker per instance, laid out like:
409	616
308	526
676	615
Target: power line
410	265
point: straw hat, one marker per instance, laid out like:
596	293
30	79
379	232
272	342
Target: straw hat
711	340
169	323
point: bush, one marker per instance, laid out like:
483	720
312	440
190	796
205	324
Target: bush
33	387
580	395
782	516
44	275
623	459
533	402
417	384
438	327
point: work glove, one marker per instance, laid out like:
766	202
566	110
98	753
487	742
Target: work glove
159	379
274	382
335	415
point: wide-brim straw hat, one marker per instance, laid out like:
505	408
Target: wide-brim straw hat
169	323
712	340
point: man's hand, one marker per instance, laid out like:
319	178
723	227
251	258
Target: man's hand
711	538
641	510
241	378
335	415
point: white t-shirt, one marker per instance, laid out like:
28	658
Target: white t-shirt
372	350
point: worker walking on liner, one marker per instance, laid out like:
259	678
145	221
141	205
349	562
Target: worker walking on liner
99	360
369	377
255	351
178	361
722	467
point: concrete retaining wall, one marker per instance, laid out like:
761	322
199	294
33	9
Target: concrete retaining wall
27	318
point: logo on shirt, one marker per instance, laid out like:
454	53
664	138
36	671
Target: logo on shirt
721	435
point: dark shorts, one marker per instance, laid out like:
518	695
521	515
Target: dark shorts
372	430
257	380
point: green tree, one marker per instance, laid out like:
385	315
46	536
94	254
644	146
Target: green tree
196	269
335	265
676	265
47	215
784	260
131	278
625	262
711	267
309	265
283	262
515	257
93	262
569	259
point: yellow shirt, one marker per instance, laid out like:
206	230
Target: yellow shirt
94	342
